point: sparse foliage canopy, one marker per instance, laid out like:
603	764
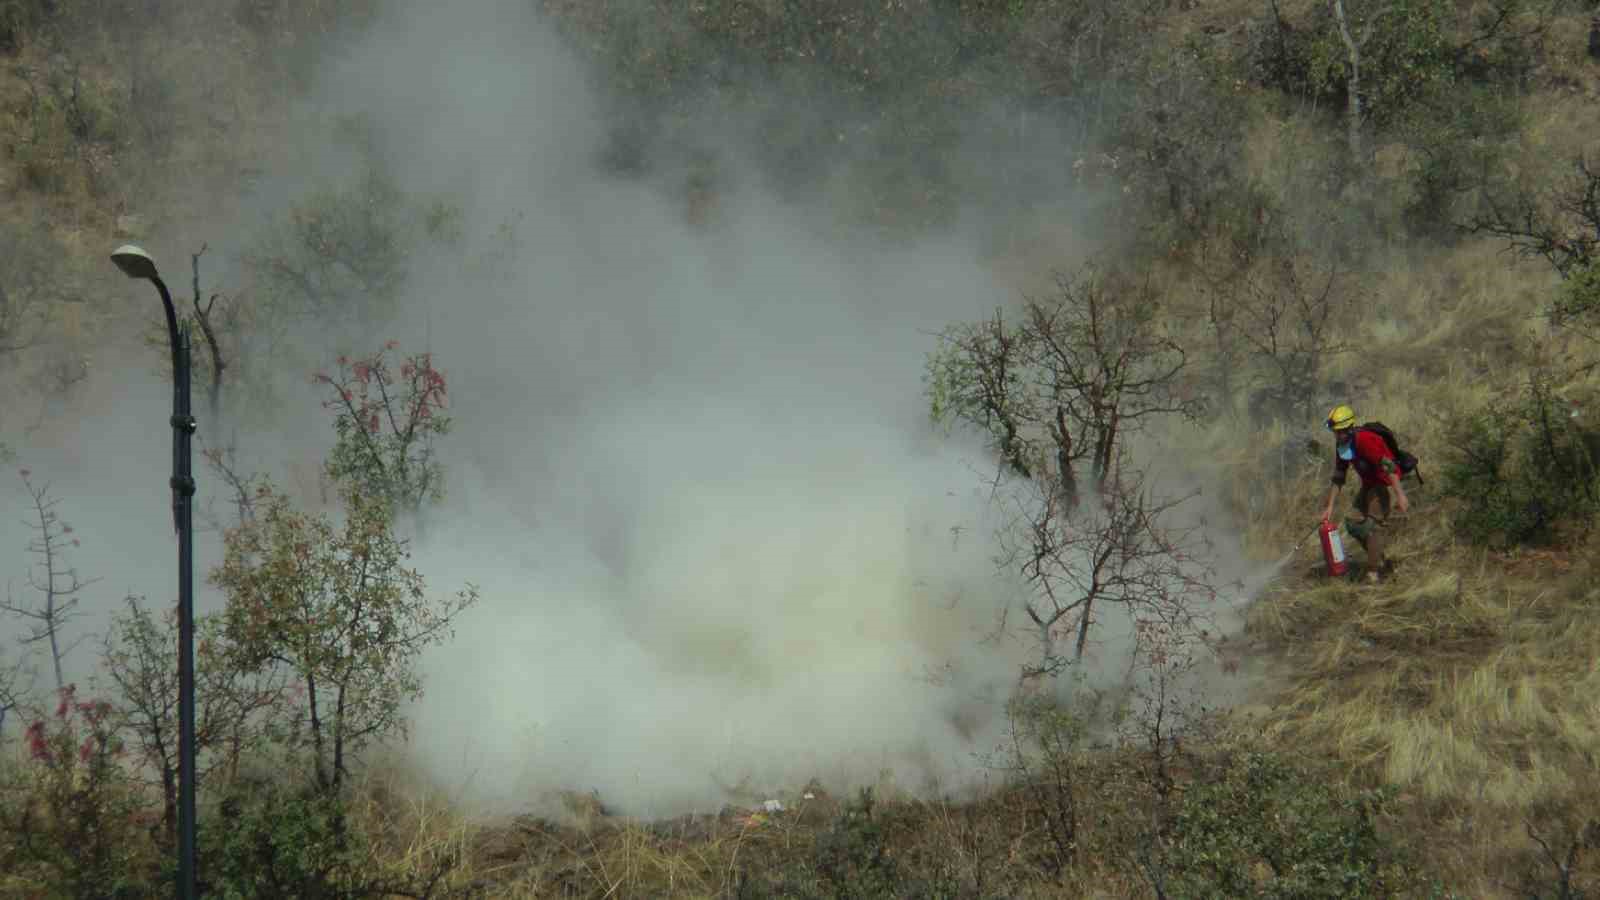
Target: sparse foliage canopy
337	608
387	419
1066	380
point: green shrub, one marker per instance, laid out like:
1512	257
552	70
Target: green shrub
18	20
855	860
1518	474
1577	305
1265	828
1455	144
70	816
266	840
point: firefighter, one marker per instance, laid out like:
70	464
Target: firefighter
1380	474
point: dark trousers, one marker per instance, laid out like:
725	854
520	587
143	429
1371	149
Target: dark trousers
1372	503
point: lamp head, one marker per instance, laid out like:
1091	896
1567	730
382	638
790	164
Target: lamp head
134	262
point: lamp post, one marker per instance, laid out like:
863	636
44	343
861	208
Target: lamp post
136	263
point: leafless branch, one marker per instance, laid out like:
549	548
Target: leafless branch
57	584
1562	227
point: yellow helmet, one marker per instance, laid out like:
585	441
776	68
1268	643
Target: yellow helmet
1341	418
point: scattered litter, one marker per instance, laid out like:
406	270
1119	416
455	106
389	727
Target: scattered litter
773	806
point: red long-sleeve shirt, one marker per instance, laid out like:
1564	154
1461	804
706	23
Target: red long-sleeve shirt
1373	461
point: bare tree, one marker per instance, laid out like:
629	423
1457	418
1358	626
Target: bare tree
220	327
208	329
1562	226
29	279
13	690
1116	553
1562	858
224	462
1288	317
1108	364
1066	384
57	583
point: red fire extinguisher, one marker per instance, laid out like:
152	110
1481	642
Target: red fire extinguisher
1332	548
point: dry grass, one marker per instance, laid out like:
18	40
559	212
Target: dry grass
1468	682
996	841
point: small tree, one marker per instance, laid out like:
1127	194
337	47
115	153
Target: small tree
339	611
1046	743
1116	553
56	583
1406	54
1387	61
1165	707
340	255
234	706
977	377
223	461
1287	317
1068	382
387	420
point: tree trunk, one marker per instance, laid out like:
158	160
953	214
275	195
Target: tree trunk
50	622
1083	629
218	364
1067	489
1353	106
323	780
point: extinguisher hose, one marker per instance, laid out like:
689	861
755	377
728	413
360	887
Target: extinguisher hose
1303	540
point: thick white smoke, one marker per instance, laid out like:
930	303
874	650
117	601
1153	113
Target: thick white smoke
691	473
692	477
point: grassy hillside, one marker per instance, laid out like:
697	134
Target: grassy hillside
1435	265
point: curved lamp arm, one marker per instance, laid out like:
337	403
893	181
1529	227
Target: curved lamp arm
135	263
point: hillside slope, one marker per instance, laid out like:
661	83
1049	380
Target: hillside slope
1436	734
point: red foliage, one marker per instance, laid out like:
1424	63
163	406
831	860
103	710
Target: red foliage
58	750
364	392
38	748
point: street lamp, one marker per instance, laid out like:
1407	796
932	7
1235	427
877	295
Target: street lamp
136	263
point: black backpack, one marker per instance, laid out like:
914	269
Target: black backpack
1406	461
